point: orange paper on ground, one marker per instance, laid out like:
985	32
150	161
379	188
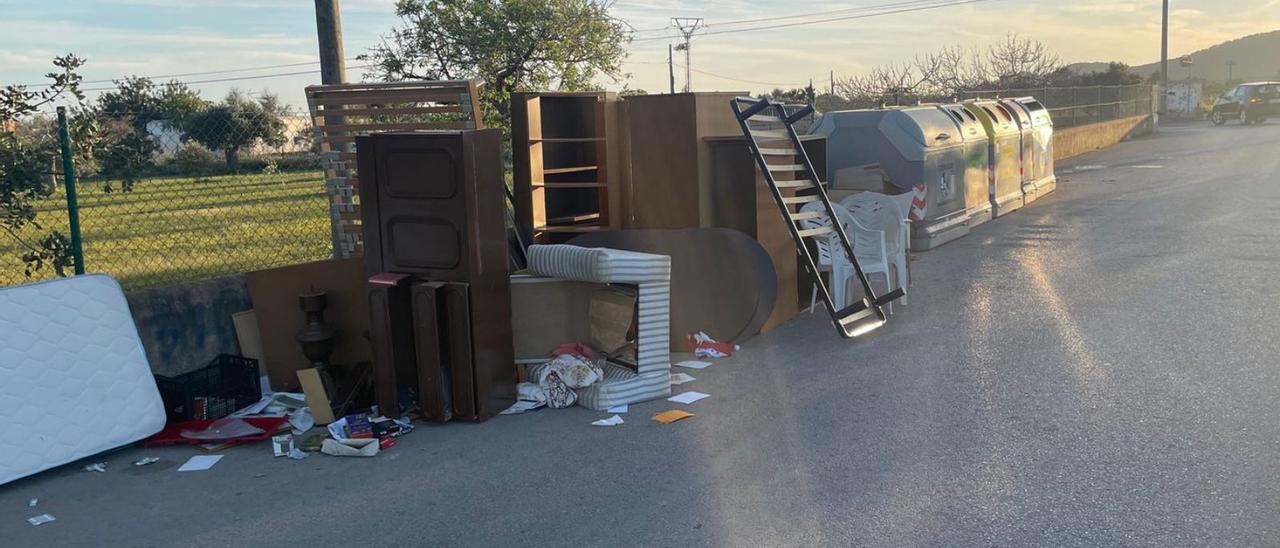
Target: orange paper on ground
668	417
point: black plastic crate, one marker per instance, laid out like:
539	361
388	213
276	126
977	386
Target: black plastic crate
228	384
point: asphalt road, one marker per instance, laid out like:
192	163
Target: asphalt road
1099	369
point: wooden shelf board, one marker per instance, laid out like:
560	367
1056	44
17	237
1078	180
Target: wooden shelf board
567	140
587	184
575	169
570	228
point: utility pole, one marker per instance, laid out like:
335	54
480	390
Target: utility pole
671	68
333	69
1231	65
687	26
832	89
1164	55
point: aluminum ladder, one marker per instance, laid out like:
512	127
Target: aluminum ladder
771	134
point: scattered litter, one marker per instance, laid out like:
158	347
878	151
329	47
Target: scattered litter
281	445
386	443
703	346
297	454
223	429
311	443
33	503
367	447
302	420
278	404
574	348
259	475
668	417
173	433
521	406
688	397
41	519
394	428
611	421
351	427
96	467
681	378
693	364
618	409
200	462
146	460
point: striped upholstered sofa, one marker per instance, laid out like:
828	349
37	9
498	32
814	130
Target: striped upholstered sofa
652	275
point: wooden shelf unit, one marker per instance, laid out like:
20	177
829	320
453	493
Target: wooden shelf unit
564	172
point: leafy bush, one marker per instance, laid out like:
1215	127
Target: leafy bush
194	159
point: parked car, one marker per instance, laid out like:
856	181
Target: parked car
1248	103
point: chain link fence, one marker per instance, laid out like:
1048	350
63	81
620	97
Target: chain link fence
1081	105
165	201
1069	106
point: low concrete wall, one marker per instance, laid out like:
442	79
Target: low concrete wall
1075	141
184	326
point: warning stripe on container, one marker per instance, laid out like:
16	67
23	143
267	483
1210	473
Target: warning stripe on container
918	207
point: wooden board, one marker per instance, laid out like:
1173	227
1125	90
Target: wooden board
275	302
722	281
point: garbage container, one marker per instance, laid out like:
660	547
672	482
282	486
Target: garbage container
1004	184
976	159
1026	141
1040	171
913	149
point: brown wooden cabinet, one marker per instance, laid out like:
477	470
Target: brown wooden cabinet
671	175
567	174
436	253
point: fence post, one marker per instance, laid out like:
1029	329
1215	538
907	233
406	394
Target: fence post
69	182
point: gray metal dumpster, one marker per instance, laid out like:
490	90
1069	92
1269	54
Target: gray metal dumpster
918	150
1040	170
1026	142
1004	184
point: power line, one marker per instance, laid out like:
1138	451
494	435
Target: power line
241	78
742	80
820	13
936	5
202	73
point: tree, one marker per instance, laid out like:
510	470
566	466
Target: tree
798	96
25	168
238	122
122	120
1117	74
510	44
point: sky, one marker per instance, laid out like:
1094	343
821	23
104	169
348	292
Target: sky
162	37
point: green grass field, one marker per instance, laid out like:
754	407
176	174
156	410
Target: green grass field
170	230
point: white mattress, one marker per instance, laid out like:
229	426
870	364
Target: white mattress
74	380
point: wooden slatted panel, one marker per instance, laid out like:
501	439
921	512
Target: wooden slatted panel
343	111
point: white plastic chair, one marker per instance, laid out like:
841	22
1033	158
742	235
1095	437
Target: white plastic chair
892	214
869	247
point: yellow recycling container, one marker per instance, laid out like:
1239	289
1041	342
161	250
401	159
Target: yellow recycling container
1004	167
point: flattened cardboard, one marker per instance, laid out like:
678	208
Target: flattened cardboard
275	302
317	398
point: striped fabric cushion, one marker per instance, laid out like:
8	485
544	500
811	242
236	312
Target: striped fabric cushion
601	265
623	386
652	274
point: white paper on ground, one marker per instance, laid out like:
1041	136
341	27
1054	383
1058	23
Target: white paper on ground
520	406
611	421
681	378
693	364
617	409
688	397
41	519
200	462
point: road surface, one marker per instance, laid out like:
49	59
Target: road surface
1099	369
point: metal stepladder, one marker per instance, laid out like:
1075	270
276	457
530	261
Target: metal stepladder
770	132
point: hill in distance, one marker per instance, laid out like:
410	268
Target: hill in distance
1256	58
